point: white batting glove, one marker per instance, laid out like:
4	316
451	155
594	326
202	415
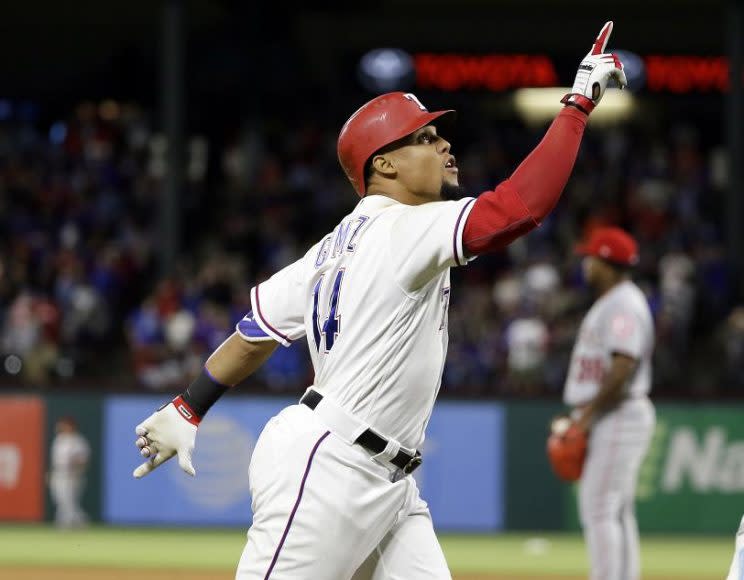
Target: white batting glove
595	71
170	431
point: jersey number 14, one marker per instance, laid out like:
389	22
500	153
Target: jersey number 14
328	331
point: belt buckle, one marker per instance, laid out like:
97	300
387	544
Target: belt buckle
413	464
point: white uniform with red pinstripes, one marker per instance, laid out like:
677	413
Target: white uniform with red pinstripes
618	322
371	298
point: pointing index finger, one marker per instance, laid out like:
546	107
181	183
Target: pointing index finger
604	35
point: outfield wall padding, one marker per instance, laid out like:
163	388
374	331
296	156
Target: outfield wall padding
484	466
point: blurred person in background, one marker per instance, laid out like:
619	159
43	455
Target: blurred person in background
167	340
731	342
527	340
70	454
608	382
31	335
146	337
527	335
676	310
71	208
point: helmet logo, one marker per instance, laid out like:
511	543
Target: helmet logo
414	98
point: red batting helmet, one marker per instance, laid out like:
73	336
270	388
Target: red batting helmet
611	244
376	124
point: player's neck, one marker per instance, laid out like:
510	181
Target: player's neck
399	193
609	284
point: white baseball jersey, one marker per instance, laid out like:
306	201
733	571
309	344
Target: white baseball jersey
372	299
69	451
527	339
618	322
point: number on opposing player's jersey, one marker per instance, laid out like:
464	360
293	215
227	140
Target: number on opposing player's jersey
331	327
591	370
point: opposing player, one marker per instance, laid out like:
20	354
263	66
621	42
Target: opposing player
332	496
608	383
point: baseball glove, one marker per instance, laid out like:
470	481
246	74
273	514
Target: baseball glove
566	448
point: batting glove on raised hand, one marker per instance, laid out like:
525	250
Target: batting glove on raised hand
169	431
595	71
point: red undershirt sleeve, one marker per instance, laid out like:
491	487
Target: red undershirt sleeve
520	203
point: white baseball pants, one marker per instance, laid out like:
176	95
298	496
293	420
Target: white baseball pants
66	490
617	445
325	510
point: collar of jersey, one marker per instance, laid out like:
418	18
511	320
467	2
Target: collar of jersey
616	288
377	201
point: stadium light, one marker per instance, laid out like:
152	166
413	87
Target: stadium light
539	105
386	69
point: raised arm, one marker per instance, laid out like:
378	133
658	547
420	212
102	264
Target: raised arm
521	202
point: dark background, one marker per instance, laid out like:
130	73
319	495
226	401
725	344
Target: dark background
289	71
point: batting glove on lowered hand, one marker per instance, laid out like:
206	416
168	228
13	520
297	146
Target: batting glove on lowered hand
595	71
169	431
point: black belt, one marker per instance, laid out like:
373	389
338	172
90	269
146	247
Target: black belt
371	440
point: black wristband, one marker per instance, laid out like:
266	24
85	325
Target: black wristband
203	393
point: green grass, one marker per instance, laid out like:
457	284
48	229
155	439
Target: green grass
679	557
121	547
24	545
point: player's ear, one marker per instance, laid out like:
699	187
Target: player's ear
384	165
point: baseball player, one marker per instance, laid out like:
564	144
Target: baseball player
608	383
330	477
69	460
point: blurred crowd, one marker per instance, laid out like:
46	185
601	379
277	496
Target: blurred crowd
75	207
82	300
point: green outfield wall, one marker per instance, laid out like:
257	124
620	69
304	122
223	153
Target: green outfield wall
534	497
693	476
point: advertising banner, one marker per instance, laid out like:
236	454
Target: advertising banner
693	477
218	495
461	476
22	455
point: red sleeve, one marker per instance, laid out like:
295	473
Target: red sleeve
521	202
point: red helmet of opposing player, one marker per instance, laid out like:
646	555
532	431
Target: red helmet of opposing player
378	123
